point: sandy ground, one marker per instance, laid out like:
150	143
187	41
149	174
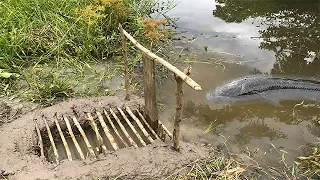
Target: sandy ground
19	159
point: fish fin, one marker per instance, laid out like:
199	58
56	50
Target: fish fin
274	102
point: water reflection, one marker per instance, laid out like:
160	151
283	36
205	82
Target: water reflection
257	129
273	37
293	31
253	122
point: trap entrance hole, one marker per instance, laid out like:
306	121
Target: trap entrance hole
99	133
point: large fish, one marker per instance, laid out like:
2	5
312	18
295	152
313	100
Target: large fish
271	89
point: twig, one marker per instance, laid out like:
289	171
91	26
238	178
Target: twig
177	120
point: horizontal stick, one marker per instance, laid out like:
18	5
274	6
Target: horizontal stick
172	68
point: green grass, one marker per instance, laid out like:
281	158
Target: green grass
54	54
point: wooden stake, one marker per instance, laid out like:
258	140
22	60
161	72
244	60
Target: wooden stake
145	133
101	146
107	132
146	123
125	59
40	142
55	151
149	85
132	128
91	152
122	128
65	144
154	57
115	129
177	119
74	138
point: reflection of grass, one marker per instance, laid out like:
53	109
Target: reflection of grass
257	129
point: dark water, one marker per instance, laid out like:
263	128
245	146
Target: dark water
244	37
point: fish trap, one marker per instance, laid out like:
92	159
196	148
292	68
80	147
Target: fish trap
96	133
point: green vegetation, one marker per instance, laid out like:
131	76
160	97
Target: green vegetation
52	50
310	164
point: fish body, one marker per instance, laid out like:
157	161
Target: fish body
271	89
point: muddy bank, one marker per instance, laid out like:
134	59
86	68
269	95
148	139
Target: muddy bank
19	160
11	109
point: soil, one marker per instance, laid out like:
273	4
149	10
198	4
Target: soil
19	160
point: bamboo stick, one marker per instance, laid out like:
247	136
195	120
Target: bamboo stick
172	68
139	124
115	129
132	128
83	134
65	144
177	119
101	146
40	142
125	59
74	138
165	129
146	123
55	151
123	128
107	132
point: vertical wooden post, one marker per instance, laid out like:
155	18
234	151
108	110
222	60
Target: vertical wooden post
177	118
125	59
149	85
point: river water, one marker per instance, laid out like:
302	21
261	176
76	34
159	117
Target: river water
234	38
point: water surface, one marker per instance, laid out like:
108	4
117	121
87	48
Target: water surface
248	37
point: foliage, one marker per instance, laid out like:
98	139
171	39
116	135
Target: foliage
66	36
47	86
310	165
